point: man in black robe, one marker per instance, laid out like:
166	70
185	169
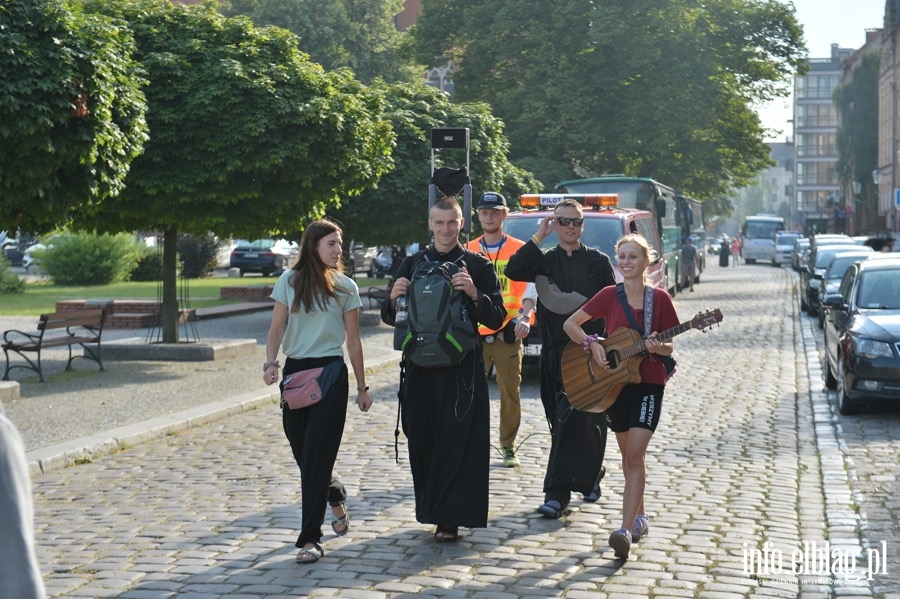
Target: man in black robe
445	411
572	270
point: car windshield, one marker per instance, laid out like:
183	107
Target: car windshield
880	289
258	244
785	239
600	233
824	256
840	264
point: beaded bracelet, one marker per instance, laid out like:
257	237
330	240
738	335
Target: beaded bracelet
586	342
268	363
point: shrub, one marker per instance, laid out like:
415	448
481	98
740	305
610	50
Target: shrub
198	255
88	259
10	283
149	266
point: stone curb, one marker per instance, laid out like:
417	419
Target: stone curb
85	449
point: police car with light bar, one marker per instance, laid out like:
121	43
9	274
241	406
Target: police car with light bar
604	224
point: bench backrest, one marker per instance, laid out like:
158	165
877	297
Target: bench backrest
92	319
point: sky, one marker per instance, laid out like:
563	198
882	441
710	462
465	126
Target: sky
825	22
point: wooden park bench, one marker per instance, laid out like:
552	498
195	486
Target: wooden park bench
60	329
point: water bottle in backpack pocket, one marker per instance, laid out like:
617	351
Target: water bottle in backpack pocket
401	320
439	331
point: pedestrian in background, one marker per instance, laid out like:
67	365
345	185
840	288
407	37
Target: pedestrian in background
736	251
724	252
316	311
445	410
635	414
20	576
503	346
578	439
688	263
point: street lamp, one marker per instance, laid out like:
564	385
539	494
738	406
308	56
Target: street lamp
854	206
877	177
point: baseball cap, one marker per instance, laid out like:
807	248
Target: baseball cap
491	199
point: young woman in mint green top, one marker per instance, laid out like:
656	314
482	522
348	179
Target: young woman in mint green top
316	311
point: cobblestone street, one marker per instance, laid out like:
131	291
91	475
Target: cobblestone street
750	462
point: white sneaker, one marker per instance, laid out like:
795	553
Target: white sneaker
640	528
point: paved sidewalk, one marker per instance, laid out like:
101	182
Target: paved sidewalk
734	472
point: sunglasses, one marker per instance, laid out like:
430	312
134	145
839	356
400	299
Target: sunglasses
565	221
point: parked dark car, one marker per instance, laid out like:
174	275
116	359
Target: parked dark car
819	257
834	273
265	256
862	333
390	257
362	259
798	257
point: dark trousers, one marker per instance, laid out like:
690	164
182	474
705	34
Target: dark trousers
315	437
578	439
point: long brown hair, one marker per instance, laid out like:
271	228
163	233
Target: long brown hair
314	282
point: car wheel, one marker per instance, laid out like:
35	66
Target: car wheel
845	405
803	305
811	310
241	272
821	318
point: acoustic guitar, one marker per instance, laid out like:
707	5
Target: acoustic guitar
591	388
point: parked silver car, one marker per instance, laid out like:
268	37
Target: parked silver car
784	245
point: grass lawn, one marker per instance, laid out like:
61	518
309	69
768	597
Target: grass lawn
41	297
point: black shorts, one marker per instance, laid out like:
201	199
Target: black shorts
638	406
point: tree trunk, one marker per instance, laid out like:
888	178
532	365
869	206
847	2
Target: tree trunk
170	280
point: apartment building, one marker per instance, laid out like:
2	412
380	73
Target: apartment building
816	189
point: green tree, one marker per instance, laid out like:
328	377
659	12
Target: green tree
641	87
247	136
359	34
857	136
71	111
396	211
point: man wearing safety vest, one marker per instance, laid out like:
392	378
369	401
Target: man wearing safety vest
502	348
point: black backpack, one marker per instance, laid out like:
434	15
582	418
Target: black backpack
439	329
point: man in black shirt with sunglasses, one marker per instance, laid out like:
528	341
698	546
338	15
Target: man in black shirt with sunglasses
566	276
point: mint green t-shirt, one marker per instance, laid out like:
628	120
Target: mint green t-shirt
316	334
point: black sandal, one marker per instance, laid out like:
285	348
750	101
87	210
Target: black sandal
444	534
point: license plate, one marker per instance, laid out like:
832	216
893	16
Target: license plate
251	255
532	350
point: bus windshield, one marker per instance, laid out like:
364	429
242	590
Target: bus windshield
762	227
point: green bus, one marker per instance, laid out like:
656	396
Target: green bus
642	194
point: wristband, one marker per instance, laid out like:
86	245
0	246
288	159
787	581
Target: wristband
586	342
268	363
536	240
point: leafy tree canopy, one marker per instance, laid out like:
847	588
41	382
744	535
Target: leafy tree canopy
246	135
359	34
71	111
857	135
396	212
642	87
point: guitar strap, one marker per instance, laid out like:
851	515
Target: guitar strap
648	308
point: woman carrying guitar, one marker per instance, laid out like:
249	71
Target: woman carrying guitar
635	414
